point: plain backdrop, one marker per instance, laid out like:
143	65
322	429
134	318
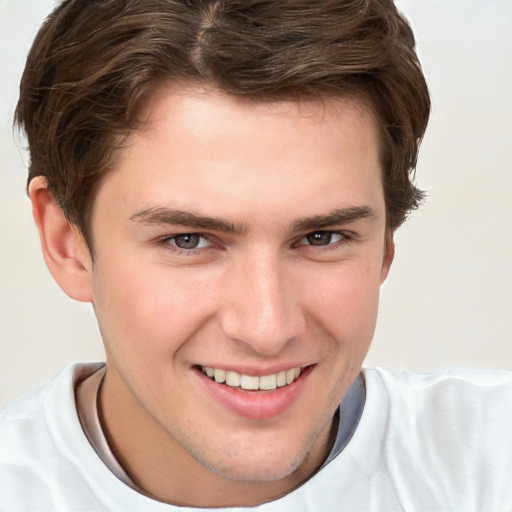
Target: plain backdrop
448	299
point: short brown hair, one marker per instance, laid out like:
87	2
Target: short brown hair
94	63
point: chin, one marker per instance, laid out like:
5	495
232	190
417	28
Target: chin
257	467
255	472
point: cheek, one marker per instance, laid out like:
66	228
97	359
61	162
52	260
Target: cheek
346	303
158	308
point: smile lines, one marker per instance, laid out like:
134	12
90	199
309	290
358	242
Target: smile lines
252	382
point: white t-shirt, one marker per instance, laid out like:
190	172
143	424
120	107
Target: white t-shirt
436	442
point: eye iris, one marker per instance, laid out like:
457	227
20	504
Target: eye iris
320	238
187	241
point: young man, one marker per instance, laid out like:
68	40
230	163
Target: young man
222	181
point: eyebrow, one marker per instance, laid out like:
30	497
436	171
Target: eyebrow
336	217
183	218
162	215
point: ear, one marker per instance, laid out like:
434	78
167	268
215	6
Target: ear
389	254
64	249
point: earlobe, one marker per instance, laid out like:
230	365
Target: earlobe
64	250
389	254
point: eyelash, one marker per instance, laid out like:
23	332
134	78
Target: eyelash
170	241
344	238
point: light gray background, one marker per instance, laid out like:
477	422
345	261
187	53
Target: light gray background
448	299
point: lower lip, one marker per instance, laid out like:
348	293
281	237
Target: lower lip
256	405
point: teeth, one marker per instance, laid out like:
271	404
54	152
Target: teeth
268	382
220	375
252	382
249	382
232	379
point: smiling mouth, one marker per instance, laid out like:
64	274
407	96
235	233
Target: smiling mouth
252	382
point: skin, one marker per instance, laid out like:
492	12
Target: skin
255	295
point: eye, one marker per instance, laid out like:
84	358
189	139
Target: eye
321	238
188	241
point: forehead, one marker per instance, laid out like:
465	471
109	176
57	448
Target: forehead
192	109
204	150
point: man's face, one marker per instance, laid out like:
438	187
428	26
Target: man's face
245	239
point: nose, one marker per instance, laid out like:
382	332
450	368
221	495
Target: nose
262	307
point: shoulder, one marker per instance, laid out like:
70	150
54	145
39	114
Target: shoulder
475	375
30	407
33	441
31	419
447	431
451	389
25	415
460	380
458	402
